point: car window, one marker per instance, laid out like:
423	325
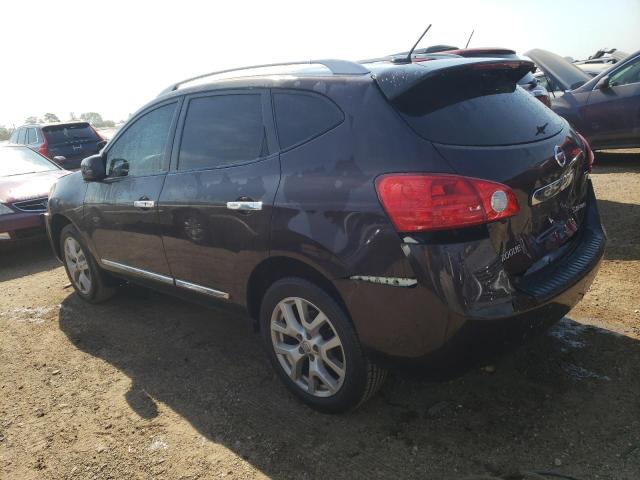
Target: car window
69	132
628	74
21	135
141	149
222	130
21	161
31	136
302	116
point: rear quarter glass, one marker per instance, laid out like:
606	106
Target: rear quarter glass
302	116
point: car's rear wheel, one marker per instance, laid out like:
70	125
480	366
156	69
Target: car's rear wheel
314	347
87	279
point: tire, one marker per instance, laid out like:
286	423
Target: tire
320	359
89	281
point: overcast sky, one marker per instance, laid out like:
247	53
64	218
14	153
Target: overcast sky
112	57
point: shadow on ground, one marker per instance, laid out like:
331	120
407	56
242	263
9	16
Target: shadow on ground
620	219
571	395
622	223
610	161
26	258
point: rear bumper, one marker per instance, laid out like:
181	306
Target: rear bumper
18	226
462	292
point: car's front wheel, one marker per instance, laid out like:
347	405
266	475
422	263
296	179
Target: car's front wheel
314	347
87	279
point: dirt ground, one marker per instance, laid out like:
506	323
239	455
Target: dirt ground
147	386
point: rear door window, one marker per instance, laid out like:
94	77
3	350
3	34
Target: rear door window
222	130
22	135
31	136
301	116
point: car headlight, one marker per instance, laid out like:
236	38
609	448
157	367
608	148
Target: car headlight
4	210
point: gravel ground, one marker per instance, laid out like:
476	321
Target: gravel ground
147	386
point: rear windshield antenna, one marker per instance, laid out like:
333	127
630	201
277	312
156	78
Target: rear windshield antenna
469	41
408	60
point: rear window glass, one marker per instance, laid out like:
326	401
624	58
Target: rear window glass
222	130
67	133
301	116
478	110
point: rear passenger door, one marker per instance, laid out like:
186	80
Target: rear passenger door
215	207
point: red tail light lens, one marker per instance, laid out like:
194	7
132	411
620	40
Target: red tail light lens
544	99
43	149
98	136
587	151
423	202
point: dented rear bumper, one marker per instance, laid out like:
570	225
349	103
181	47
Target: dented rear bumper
462	289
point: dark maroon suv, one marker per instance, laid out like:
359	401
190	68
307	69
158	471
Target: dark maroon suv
361	213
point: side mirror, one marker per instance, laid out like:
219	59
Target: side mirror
603	83
120	168
93	168
59	159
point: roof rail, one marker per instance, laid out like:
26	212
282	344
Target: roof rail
337	67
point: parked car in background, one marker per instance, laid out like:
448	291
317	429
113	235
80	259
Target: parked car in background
25	180
64	143
361	213
605	108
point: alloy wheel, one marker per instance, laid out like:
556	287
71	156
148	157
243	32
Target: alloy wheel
77	265
308	347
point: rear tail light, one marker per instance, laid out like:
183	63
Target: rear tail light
100	137
424	202
587	151
43	149
544	99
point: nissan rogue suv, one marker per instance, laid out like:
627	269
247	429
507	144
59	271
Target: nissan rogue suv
360	213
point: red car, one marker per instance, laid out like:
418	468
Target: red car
25	180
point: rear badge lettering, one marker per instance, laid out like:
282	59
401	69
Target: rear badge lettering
511	252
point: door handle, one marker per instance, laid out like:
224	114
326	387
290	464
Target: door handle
144	204
244	205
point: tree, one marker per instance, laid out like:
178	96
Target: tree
51	118
32	120
93	118
5	133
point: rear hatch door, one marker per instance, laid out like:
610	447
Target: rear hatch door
72	140
486	127
563	74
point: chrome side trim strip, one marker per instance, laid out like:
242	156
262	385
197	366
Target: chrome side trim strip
137	271
200	289
392	281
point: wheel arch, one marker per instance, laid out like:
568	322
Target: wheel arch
58	222
275	268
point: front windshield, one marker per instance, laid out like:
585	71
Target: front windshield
20	160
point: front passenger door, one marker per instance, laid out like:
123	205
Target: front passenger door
613	113
120	212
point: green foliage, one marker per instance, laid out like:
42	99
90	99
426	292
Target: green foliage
51	118
5	133
93	118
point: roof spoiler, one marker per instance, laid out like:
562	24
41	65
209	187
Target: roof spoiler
337	67
396	81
